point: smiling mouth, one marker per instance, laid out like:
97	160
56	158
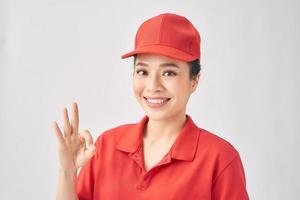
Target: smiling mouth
156	102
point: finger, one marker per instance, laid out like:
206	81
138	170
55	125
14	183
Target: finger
90	151
87	137
58	132
67	127
75	118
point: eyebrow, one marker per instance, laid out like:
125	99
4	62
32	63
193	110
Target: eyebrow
161	65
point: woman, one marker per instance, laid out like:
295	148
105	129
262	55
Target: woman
165	155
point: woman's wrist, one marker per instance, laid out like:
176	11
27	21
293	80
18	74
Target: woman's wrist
68	172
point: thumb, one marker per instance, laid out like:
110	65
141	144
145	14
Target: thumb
90	150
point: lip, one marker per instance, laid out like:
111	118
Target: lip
156	105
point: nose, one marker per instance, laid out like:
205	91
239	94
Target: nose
154	84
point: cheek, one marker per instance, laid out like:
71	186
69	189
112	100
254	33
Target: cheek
180	89
137	86
177	86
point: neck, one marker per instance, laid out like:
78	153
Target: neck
166	130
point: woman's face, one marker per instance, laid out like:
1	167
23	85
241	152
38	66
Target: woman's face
162	85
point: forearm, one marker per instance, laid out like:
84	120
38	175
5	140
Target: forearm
67	185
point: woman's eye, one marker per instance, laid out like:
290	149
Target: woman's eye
141	72
169	73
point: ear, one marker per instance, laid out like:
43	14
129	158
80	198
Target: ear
195	82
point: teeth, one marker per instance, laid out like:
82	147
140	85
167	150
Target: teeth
156	101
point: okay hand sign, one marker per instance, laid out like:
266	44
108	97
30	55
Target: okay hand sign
74	148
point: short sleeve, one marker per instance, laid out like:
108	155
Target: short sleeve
231	182
87	175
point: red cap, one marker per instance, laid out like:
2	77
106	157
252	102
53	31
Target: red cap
169	35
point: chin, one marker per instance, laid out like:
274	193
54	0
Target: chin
158	115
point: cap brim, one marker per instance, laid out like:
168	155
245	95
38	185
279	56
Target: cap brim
162	50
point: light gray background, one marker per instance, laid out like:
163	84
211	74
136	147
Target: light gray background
53	52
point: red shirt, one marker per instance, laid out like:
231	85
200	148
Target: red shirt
199	165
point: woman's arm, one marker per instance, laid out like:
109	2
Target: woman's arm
67	185
75	150
231	182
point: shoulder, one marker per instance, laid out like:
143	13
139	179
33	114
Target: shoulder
216	147
217	153
113	135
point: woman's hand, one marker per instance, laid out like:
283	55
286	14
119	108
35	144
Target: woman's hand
74	148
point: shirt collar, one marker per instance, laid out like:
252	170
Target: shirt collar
184	147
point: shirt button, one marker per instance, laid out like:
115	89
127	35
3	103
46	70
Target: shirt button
141	187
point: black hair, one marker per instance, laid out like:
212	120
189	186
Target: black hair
195	67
